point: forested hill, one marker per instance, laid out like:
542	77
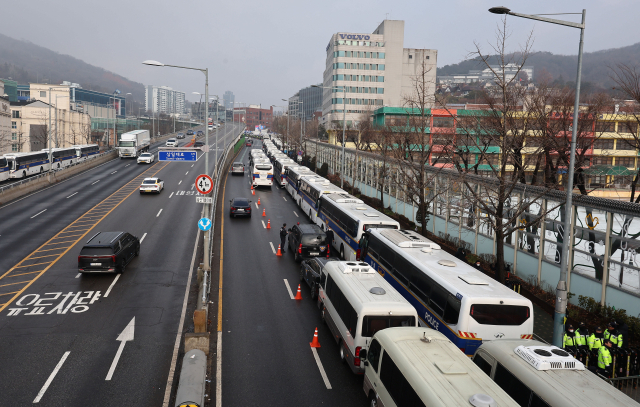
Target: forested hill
562	68
26	62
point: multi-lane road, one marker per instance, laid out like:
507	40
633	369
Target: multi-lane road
68	339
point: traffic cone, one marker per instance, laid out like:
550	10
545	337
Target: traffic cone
298	294
279	252
258	200
251	186
315	343
269	224
264	213
253	192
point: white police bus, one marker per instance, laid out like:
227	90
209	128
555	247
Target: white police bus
4	169
293	179
86	151
62	157
450	295
25	164
349	217
279	170
262	173
311	189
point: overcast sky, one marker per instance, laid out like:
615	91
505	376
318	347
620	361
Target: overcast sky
265	51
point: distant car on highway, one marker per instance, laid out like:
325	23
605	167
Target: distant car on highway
172	143
180	135
200	133
211	127
151	185
237	168
198	144
310	272
190	133
108	252
308	241
239	207
147	158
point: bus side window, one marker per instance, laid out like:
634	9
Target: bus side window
512	385
536	401
323	278
482	364
397	385
373	355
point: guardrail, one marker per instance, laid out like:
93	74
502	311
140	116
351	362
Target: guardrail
627	385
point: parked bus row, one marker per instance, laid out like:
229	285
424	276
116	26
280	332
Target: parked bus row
22	165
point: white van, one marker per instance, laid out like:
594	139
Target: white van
357	302
536	374
420	367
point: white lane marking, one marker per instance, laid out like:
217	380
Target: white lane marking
192	186
113	172
322	372
159	212
142	238
38	214
186	173
294	212
257	207
263	225
124	337
79	274
170	195
71	195
180	182
106	294
284	198
289	289
51	377
127	165
273	249
192	165
95	182
219	370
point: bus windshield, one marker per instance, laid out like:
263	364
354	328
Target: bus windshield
126	144
374	323
494	314
263	167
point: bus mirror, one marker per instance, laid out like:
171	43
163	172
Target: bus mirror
363	355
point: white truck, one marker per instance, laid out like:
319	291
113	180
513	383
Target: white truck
134	143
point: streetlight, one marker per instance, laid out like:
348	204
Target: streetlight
115	118
217	118
205	71
199	104
561	289
344	123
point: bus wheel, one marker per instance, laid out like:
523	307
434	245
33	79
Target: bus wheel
24	174
342	252
323	310
372	400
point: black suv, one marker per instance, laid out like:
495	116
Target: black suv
310	272
108	252
308	241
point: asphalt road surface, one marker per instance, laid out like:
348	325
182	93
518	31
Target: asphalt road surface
59	332
266	357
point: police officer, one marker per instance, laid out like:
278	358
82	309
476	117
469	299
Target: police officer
569	342
582	334
613	335
329	234
283	236
604	359
596	340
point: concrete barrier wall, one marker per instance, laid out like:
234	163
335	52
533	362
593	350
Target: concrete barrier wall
38	182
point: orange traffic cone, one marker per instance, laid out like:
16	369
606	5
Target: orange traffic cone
253	191
279	252
315	343
269	224
298	294
258	200
251	186
264	213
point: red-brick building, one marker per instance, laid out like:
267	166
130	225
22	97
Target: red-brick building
254	116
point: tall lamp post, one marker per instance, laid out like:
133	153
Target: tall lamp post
115	118
217	98
561	289
344	123
205	71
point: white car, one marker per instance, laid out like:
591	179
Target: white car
152	185
147	158
172	142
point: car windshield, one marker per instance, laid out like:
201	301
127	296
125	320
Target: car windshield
237	164
241	202
148	181
144	155
171	140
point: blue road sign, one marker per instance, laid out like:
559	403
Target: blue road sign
204	224
177	155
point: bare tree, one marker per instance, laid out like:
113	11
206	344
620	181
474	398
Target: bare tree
360	135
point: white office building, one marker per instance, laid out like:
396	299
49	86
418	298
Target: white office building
163	99
488	74
375	69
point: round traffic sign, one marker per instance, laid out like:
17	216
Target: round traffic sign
204	184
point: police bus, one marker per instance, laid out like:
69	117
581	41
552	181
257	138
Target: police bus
4	169
450	295
256	153
356	302
25	164
279	170
349	217
262	173
311	189
86	151
62	157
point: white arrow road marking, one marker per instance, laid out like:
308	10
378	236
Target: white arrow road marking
51	377
159	212
106	294
124	337
289	289
38	214
322	372
95	182
294	212
71	195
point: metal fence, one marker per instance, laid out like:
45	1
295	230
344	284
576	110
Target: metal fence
627	385
604	262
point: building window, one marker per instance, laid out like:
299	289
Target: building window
443	122
427	56
410	56
14	136
627	127
43	93
629	162
14	125
602	127
602	161
14	147
626	144
15	114
603	144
